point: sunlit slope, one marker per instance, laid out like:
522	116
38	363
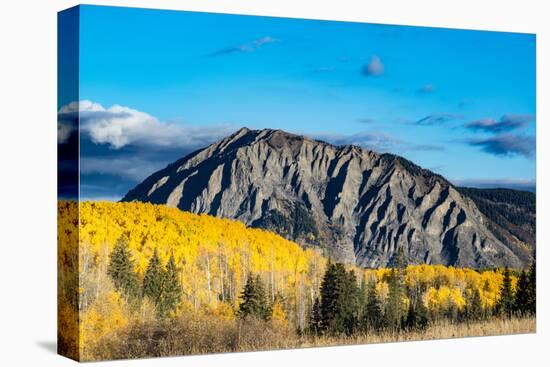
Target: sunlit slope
214	255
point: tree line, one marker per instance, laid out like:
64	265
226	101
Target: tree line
346	306
161	285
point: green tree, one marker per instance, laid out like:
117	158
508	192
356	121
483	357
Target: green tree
417	317
372	317
350	303
121	270
532	289
171	288
474	308
153	280
339	300
505	304
315	317
254	303
394	311
522	294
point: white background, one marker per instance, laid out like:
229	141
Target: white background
28	180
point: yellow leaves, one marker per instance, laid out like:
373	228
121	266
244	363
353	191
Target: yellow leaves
107	314
443	298
278	315
382	291
214	256
224	311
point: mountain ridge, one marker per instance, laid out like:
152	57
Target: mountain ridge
357	204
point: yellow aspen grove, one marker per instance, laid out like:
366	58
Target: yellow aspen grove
212	260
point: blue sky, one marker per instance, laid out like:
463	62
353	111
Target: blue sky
156	85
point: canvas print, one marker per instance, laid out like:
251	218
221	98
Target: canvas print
235	183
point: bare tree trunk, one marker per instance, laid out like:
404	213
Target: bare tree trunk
208	277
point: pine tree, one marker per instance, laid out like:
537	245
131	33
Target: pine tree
411	320
350	303
121	270
532	290
372	317
254	302
339	300
474	308
394	307
171	288
505	304
315	317
153	280
329	297
522	294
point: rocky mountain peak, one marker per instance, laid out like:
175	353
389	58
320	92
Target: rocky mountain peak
357	205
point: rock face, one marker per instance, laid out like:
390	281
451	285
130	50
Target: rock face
356	204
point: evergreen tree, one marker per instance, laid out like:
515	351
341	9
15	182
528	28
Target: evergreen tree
339	300
363	297
315	317
153	280
522	294
330	289
474	308
411	320
350	303
254	303
121	270
171	288
394	306
505	304
372	317
532	290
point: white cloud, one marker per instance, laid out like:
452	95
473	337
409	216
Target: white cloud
64	131
119	126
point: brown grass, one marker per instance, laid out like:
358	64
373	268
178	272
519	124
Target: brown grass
187	336
440	330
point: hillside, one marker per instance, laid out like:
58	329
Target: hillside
512	215
214	258
357	205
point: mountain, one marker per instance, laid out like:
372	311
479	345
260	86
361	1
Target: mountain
358	205
512	215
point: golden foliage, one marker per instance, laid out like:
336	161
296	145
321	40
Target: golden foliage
214	257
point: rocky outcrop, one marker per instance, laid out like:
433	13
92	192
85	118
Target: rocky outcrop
358	205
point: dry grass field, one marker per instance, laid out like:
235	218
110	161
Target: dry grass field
441	330
187	337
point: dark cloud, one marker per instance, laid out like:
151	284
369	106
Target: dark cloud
516	184
120	146
244	48
506	145
437	119
107	172
425	89
506	123
375	67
